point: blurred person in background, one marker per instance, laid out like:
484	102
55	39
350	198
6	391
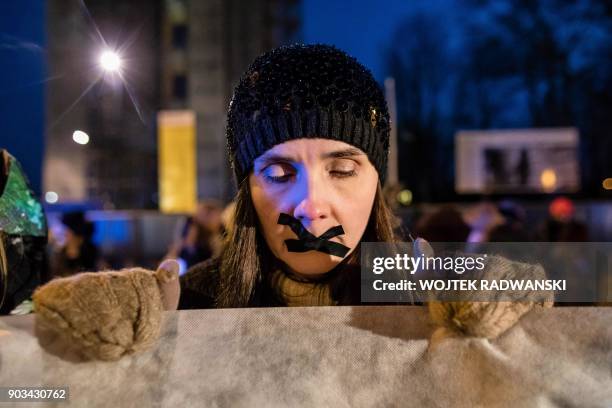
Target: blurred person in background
561	225
79	253
201	236
482	218
571	260
512	228
443	225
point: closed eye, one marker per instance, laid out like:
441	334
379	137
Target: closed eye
343	168
343	174
278	172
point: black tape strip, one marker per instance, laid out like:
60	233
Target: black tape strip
308	242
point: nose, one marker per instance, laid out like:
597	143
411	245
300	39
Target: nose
313	202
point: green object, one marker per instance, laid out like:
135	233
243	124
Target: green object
25	307
20	212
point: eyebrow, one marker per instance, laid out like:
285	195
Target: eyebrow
336	154
339	154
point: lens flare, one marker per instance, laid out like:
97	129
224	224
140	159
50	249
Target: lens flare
110	61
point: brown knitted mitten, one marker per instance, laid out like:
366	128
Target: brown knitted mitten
489	319
105	315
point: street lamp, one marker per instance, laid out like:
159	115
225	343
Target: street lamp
110	61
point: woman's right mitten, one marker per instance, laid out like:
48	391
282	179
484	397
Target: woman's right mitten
105	315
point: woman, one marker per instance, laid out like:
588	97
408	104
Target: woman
308	138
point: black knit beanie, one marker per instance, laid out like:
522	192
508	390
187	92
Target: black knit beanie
306	91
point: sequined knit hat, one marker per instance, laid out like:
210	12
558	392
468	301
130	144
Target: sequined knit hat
306	91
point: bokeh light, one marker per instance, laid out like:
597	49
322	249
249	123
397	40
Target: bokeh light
80	137
548	180
404	197
51	197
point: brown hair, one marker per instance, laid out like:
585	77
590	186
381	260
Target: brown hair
246	259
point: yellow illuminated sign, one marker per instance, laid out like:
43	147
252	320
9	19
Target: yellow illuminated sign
177	161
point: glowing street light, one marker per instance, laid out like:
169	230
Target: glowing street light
110	61
80	137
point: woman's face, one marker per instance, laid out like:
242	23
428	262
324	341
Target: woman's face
321	182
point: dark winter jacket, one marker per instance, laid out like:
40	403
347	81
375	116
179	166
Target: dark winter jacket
200	285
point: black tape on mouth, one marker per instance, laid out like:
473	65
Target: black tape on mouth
308	242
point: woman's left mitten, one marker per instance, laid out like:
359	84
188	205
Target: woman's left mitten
476	314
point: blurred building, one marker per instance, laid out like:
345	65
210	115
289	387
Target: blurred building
206	46
179	54
64	166
118	166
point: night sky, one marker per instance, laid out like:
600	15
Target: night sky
22	67
363	28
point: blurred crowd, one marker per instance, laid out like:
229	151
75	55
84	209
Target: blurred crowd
199	236
505	221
